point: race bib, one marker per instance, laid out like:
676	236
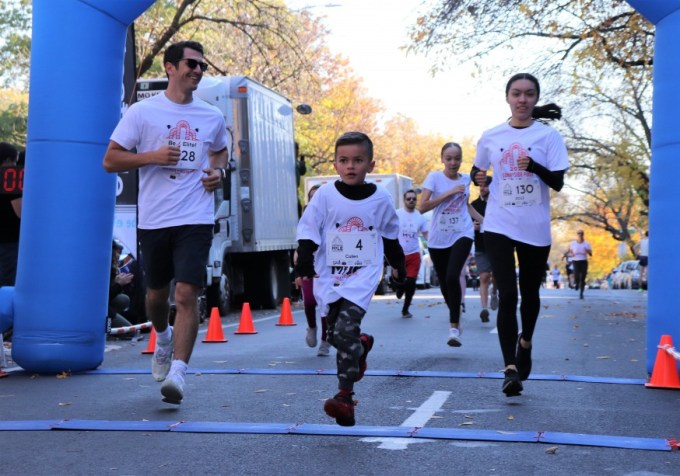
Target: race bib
190	153
450	222
523	191
353	248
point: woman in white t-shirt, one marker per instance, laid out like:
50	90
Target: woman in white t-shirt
528	158
451	229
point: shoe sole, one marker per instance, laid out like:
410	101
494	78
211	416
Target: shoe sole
484	316
408	315
171	394
335	410
454	342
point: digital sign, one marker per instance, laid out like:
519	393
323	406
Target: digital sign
11	180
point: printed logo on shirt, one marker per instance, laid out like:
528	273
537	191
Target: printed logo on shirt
352	246
190	147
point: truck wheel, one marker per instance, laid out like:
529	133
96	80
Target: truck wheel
275	280
219	295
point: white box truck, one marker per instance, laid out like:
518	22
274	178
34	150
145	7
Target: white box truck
256	211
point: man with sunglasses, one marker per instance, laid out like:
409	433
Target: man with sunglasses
411	225
181	152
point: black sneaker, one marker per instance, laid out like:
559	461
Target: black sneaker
341	407
484	316
512	385
523	360
400	292
367	344
406	314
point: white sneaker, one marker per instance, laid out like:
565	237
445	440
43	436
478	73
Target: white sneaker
162	358
310	338
173	388
454	337
324	349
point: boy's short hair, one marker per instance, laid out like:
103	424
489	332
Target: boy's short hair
351	138
410	190
8	152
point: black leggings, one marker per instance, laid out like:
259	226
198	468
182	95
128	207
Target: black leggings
448	263
580	272
531	260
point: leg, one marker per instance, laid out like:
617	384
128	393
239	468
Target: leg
409	292
501	251
186	320
484	281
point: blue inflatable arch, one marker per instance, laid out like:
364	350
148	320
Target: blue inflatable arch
59	303
664	225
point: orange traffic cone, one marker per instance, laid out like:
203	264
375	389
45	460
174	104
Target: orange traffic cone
286	318
665	373
152	342
214	333
245	325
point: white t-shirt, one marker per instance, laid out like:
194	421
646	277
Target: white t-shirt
411	224
579	250
519	201
349	233
451	218
172	196
644	247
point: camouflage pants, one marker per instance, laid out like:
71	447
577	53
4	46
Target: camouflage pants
344	329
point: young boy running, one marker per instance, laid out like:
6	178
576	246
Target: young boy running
342	236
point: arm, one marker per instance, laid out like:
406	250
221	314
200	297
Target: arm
426	204
474	213
304	267
553	179
395	257
119	159
16	206
216	173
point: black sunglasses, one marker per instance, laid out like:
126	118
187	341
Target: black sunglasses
192	63
411	199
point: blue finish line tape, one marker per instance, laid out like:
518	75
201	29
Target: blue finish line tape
575	439
384	373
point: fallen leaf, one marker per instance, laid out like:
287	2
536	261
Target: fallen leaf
552	450
466	423
262	390
602	357
64	374
510	417
64	404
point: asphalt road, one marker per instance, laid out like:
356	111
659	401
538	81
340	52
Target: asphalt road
253	405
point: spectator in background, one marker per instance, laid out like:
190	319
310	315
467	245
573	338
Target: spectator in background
642	249
579	250
300	170
569	269
10	220
118	300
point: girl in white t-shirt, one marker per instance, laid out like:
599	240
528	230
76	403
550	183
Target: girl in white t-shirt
528	158
451	229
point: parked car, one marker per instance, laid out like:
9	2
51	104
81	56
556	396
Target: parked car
615	277
631	274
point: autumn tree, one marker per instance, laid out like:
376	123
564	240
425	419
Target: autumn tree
595	57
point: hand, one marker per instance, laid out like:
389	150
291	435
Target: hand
480	177
212	180
124	278
477	225
523	162
167	155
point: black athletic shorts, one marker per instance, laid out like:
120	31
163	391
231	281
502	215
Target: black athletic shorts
179	252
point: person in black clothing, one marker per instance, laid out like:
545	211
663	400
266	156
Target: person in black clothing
119	301
10	220
481	258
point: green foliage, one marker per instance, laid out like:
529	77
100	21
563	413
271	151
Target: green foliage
15	43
